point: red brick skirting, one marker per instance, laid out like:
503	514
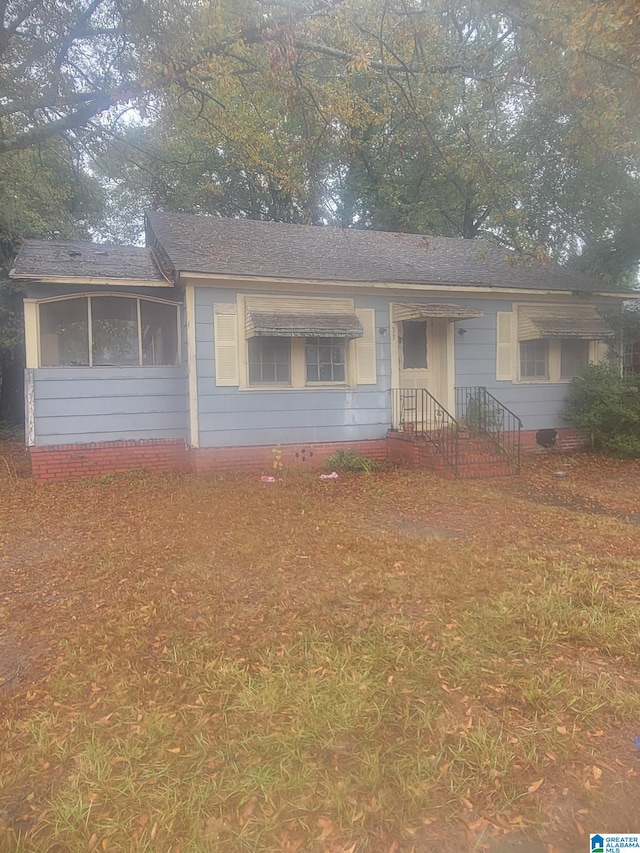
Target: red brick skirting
566	440
71	461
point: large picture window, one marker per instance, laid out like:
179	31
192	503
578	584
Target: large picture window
99	331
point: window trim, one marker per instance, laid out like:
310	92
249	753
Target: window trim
33	336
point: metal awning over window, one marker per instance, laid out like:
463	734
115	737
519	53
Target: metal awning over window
430	310
302	325
562	321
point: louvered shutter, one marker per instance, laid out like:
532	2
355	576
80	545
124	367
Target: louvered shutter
225	330
598	352
505	343
366	373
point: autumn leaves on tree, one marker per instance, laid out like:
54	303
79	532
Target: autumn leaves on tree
516	119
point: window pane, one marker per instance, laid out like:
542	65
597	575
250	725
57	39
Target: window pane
115	330
534	359
414	344
574	356
269	360
159	333
64	333
325	358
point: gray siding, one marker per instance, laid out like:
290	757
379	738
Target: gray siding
82	404
229	417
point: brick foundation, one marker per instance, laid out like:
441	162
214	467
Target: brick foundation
567	441
71	461
212	459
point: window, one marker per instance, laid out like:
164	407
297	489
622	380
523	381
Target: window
264	341
108	331
574	357
325	359
550	343
269	360
553	360
414	344
114	325
64	333
534	359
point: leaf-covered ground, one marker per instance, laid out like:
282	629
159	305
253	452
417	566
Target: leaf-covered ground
385	663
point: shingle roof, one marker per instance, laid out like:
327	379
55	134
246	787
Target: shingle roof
243	247
44	259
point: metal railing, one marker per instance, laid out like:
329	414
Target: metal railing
417	411
482	414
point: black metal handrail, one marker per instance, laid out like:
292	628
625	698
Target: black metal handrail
482	413
417	411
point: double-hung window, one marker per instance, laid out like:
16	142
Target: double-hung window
269	361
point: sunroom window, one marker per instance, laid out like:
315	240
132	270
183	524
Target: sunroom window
100	331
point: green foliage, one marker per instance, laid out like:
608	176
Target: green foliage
481	416
608	406
349	461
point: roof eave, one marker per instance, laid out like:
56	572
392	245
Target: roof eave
393	285
88	280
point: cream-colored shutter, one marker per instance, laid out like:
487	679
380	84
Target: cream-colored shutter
504	345
366	373
225	331
598	352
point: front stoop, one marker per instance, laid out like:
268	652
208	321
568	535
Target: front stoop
477	456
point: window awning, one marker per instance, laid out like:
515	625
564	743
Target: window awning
302	325
446	311
562	321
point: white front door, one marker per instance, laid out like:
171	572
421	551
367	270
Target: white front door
422	360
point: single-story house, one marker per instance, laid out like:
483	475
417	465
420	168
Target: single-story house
224	338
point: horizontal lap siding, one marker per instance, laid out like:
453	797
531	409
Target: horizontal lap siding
229	417
80	405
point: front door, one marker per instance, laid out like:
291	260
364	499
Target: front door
421	362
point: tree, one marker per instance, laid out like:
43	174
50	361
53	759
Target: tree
516	119
44	192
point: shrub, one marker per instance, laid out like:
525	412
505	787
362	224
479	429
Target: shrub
607	405
349	461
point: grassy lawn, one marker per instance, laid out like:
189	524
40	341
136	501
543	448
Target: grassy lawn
387	663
